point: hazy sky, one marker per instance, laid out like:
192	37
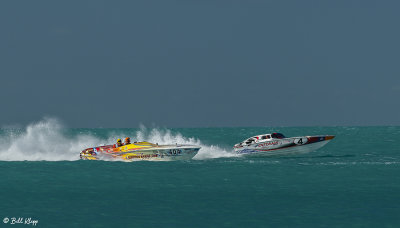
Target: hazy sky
193	63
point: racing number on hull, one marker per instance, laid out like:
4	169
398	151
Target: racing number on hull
175	152
300	141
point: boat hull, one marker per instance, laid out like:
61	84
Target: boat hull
158	153
286	146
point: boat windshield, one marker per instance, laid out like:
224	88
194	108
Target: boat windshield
277	136
249	141
265	137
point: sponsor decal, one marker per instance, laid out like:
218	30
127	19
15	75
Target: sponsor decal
141	156
273	143
246	151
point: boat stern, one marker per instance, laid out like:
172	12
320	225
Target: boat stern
88	154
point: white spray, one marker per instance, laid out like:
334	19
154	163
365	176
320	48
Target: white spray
43	140
167	137
46	141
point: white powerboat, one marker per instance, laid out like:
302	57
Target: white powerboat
278	144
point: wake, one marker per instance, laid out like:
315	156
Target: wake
48	140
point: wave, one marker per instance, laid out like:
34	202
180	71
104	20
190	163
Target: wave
49	140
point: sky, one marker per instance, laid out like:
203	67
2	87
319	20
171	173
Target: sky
192	63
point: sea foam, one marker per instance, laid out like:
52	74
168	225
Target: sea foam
49	140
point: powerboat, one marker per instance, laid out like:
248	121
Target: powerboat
278	144
140	151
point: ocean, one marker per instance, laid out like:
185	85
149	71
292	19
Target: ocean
353	181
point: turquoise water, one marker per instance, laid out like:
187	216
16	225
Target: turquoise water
351	182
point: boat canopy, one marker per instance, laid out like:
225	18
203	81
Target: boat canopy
277	136
263	137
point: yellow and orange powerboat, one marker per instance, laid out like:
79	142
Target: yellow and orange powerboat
140	151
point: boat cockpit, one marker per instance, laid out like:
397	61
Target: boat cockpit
261	138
